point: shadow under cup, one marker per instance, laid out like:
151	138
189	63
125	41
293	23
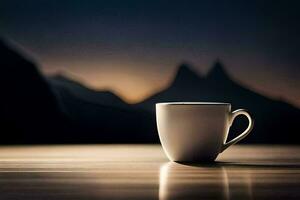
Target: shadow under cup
196	131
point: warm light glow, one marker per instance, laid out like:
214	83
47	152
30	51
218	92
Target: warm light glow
132	83
177	181
163	181
136	81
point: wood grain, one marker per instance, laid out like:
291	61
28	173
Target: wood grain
143	172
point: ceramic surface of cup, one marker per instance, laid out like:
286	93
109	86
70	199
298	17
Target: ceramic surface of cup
196	131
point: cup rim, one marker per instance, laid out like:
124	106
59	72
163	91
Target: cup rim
195	103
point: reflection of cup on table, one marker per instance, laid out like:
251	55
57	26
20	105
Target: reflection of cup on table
177	181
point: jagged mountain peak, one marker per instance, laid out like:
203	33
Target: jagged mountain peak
185	68
186	73
218	71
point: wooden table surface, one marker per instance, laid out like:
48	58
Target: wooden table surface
143	172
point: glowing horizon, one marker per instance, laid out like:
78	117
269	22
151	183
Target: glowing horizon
134	47
135	87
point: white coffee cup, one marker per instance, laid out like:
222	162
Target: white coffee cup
196	131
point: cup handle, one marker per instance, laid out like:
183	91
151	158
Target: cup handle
233	115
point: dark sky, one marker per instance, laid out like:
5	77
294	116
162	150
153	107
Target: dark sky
134	47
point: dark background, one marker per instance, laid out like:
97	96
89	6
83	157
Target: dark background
91	71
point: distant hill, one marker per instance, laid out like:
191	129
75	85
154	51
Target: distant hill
29	111
57	109
101	115
106	98
275	121
35	109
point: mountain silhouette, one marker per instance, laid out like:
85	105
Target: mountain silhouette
35	109
275	121
185	71
61	83
102	114
29	111
218	73
57	109
97	123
